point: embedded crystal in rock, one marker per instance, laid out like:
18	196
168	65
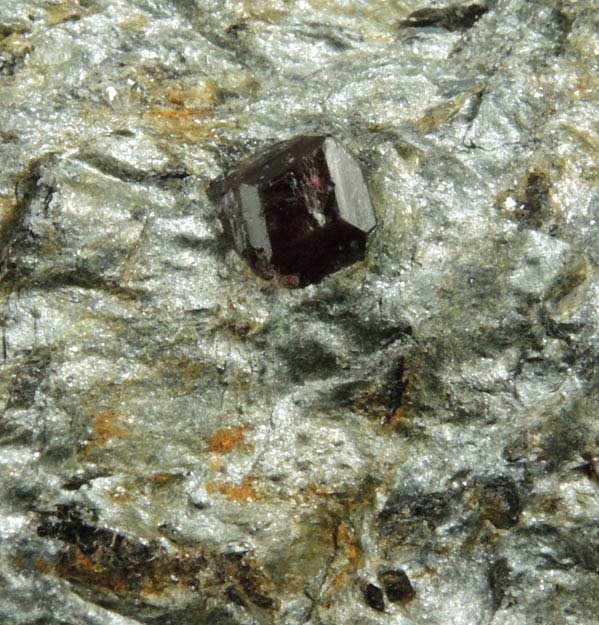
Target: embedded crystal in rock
300	211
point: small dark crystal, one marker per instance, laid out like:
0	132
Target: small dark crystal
397	586
374	597
299	211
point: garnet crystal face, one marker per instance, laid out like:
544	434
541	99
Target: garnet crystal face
298	212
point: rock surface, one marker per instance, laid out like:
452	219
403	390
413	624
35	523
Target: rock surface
182	442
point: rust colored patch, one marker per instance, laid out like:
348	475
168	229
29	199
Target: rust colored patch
109	561
346	540
398	419
234	492
102	570
187	123
187	111
105	429
339	581
312	492
225	440
347	561
181	110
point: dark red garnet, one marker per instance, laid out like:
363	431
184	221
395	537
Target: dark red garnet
299	211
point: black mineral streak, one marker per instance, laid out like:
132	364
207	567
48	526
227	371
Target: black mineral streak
498	577
403	510
26	382
78	527
450	18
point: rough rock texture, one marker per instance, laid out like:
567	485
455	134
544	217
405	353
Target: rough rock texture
182	442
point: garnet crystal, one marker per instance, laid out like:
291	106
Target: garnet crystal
298	212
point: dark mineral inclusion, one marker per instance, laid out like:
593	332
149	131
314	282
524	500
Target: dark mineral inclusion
299	211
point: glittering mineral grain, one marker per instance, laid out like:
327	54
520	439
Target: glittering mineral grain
300	211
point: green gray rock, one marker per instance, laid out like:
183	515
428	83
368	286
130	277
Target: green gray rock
182	442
